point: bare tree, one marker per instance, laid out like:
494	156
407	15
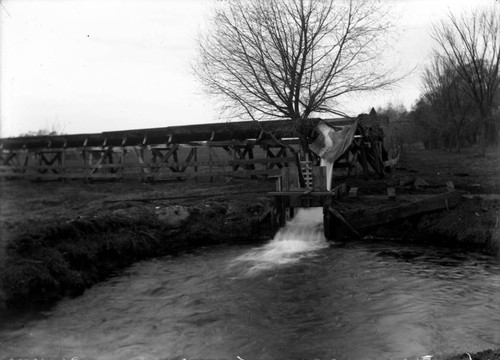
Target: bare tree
291	59
470	43
443	91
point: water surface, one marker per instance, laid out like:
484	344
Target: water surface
296	297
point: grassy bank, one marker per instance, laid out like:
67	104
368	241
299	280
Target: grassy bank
45	260
62	257
476	222
473	224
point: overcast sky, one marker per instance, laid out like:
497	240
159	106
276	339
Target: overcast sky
84	66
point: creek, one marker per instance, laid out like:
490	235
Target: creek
295	297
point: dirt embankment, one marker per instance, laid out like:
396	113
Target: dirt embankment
476	221
47	256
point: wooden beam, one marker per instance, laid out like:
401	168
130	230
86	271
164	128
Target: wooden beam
403	210
140	158
188	159
340	218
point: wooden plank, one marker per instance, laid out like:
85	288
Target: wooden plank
319	178
339	190
108	166
344	222
262	161
188	161
186	164
100	149
244	172
268	142
170	151
285	179
139	154
210	160
231	143
400	211
104	175
301	192
491	197
195	159
51	151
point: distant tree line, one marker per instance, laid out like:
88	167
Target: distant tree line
460	100
50	128
433	122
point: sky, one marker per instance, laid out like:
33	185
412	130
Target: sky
88	66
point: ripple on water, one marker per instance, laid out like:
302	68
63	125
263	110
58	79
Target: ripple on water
294	297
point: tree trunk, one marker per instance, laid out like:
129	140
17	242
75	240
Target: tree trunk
482	137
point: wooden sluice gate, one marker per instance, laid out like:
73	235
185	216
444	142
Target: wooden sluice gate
347	214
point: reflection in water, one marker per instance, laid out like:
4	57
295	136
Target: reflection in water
355	301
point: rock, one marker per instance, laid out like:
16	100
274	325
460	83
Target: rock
172	217
129	213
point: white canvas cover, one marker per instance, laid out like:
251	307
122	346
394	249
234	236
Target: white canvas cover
331	144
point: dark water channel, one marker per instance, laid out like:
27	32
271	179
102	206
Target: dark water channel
294	298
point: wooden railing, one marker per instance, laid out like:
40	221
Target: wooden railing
142	163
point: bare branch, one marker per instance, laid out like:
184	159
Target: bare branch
470	43
292	58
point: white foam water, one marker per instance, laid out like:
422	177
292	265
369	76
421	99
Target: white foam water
301	237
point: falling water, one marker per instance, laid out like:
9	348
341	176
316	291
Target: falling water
301	237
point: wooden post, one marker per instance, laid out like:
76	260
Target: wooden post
327	223
210	163
176	159
196	162
63	164
364	162
285	179
280	204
